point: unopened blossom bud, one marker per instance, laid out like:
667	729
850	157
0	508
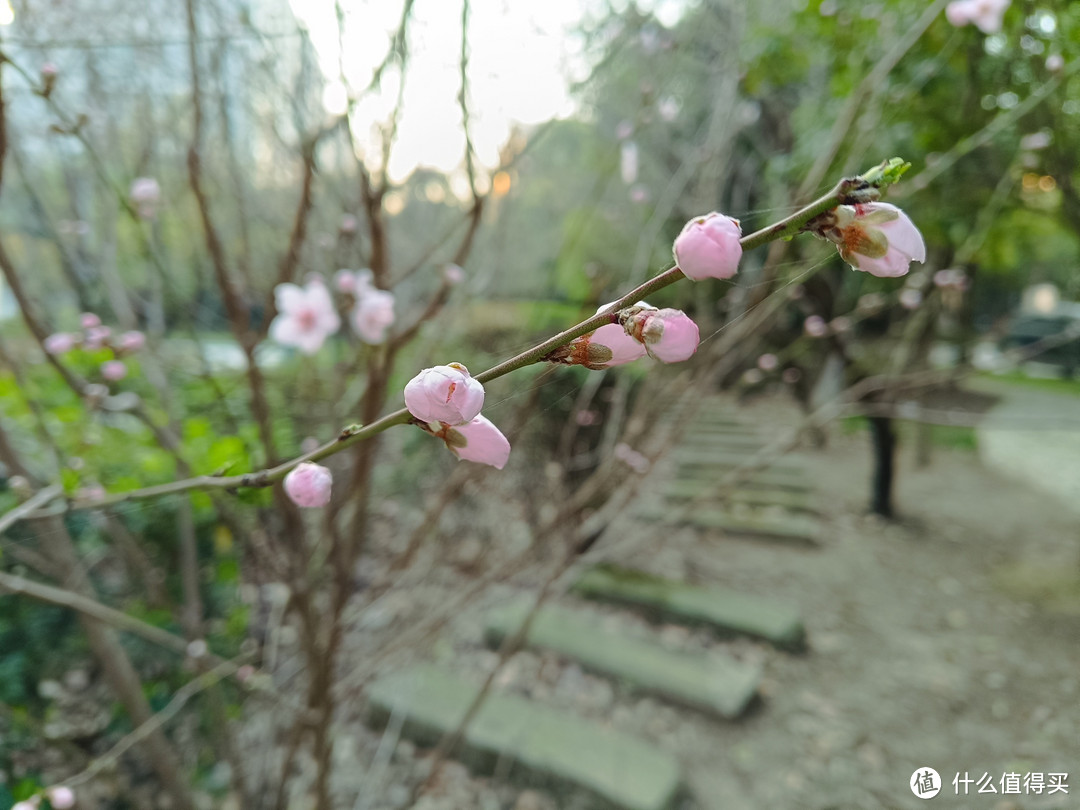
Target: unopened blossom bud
61	797
60	343
669	335
815	326
309	485
709	247
477	440
48	70
446	394
48	78
113	370
88	320
768	362
131	341
607	346
876	237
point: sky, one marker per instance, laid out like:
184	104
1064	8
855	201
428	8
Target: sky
523	57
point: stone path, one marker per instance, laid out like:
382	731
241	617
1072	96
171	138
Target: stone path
526	740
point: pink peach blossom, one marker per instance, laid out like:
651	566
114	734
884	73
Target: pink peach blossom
444	394
876	237
61	342
306	316
453	273
61	797
309	485
131	341
709	247
987	15
669	335
478	440
815	326
113	370
768	362
88	320
373	315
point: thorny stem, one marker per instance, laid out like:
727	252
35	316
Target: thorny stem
852	190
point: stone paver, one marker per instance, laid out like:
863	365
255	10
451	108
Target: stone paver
556	748
798	529
717	684
722	609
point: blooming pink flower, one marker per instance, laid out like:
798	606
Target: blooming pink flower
669	335
876	237
815	326
768	362
444	394
113	370
88	320
373	315
309	484
477	440
131	341
306	316
145	195
709	247
985	14
60	343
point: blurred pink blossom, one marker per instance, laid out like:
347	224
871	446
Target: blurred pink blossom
876	237
96	336
910	298
446	394
145	194
309	485
113	370
88	320
815	326
131	341
453	273
373	315
61	342
48	70
1055	62
709	247
768	362
791	375
306	316
61	797
633	459
987	15
639	194
478	440
349	223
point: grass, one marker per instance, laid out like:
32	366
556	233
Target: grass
1059	386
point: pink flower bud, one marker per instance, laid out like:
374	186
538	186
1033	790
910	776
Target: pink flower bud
60	343
444	394
309	485
709	247
669	335
61	797
131	341
89	320
453	274
113	370
477	440
815	326
636	461
345	281
876	237
96	336
768	362
48	70
373	315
